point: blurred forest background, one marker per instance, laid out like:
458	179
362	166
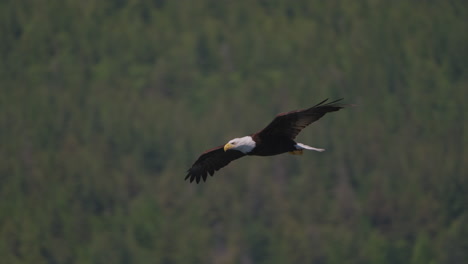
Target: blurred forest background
105	104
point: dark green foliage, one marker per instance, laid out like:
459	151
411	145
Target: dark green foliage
105	104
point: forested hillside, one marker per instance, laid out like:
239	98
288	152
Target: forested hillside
105	104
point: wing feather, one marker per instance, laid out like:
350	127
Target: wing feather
290	124
211	161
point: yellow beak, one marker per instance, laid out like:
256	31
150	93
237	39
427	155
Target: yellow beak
228	146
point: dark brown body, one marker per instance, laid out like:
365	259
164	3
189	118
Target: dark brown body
270	146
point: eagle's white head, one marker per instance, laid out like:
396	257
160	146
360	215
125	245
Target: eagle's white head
243	144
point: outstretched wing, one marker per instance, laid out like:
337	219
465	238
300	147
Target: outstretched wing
211	161
291	123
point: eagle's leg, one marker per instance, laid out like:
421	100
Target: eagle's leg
296	152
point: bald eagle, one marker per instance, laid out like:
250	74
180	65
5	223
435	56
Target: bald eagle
276	138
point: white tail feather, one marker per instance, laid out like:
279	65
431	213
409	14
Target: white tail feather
304	146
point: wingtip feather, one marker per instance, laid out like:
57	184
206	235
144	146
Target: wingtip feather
320	103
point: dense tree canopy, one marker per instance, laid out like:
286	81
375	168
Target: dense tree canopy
105	104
